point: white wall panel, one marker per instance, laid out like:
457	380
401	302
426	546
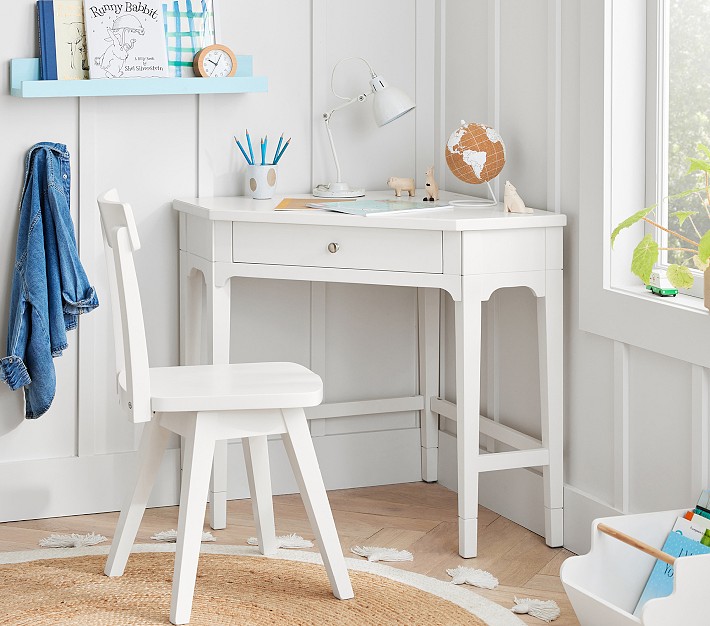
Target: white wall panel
660	432
382	33
21	125
524	97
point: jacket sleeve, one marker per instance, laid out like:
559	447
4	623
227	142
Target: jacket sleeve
77	294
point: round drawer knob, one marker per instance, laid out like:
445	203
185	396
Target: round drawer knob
333	247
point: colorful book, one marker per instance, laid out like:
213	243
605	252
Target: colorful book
126	39
189	27
660	582
62	40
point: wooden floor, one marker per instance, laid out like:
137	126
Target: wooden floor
418	517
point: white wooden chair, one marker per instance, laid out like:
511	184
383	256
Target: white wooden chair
204	404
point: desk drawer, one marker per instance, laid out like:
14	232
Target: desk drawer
385	249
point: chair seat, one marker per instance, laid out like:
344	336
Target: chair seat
233	387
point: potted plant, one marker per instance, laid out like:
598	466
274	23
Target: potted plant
688	245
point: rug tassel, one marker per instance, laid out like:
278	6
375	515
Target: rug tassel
71	541
476	577
546	610
382	554
285	541
170	536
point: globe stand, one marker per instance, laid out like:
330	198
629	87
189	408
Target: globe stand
478	203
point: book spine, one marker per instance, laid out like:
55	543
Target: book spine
48	53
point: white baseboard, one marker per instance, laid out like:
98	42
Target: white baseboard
94	484
78	485
346	462
517	495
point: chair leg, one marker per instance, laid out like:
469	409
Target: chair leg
152	447
199	450
256	457
299	447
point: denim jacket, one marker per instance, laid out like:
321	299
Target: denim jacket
49	287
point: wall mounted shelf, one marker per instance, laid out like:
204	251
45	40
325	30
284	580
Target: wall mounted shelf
25	83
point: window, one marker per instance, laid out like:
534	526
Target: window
682	30
617	117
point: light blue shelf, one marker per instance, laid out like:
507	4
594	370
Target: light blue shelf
25	83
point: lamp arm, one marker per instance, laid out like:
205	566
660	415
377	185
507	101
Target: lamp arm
326	118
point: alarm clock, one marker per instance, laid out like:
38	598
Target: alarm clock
216	61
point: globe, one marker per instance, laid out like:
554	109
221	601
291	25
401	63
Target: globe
475	153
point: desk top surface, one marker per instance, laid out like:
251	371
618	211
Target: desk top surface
244	209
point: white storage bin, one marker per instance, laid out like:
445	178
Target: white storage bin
605	585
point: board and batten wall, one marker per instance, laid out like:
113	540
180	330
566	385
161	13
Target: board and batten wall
78	457
513	64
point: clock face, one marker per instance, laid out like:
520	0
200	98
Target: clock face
217	63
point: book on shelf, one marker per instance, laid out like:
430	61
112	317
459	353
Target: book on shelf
126	40
378	207
62	40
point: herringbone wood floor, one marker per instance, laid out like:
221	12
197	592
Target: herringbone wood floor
419	517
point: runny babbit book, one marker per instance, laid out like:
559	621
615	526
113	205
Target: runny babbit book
378	207
126	39
62	40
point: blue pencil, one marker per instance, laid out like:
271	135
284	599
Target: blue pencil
243	152
277	149
251	152
263	158
280	154
263	153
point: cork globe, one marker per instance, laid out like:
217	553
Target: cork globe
475	153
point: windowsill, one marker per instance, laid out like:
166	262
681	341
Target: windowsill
681	301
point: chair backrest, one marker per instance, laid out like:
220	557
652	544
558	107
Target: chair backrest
120	241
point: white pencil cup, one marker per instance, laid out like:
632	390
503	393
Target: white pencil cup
261	181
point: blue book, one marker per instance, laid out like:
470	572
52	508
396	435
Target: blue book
660	582
47	45
377	207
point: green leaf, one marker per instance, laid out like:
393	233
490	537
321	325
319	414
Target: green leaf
679	276
684	215
704	248
704	149
630	221
698	165
699	264
645	256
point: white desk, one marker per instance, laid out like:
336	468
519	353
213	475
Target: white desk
467	252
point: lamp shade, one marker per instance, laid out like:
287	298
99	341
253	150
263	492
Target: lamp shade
389	103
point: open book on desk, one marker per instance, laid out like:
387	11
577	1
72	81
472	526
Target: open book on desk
378	207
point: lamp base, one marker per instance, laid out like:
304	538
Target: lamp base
337	190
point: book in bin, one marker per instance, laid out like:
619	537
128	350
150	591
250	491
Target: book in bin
126	39
660	582
62	40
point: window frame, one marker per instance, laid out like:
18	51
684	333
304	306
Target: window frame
613	181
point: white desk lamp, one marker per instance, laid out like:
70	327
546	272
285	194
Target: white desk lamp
389	103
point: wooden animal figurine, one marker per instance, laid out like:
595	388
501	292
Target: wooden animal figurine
401	184
430	186
512	201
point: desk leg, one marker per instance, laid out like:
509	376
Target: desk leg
218	317
428	308
550	337
468	392
190	312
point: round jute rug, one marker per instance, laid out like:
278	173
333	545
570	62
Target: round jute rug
235	585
